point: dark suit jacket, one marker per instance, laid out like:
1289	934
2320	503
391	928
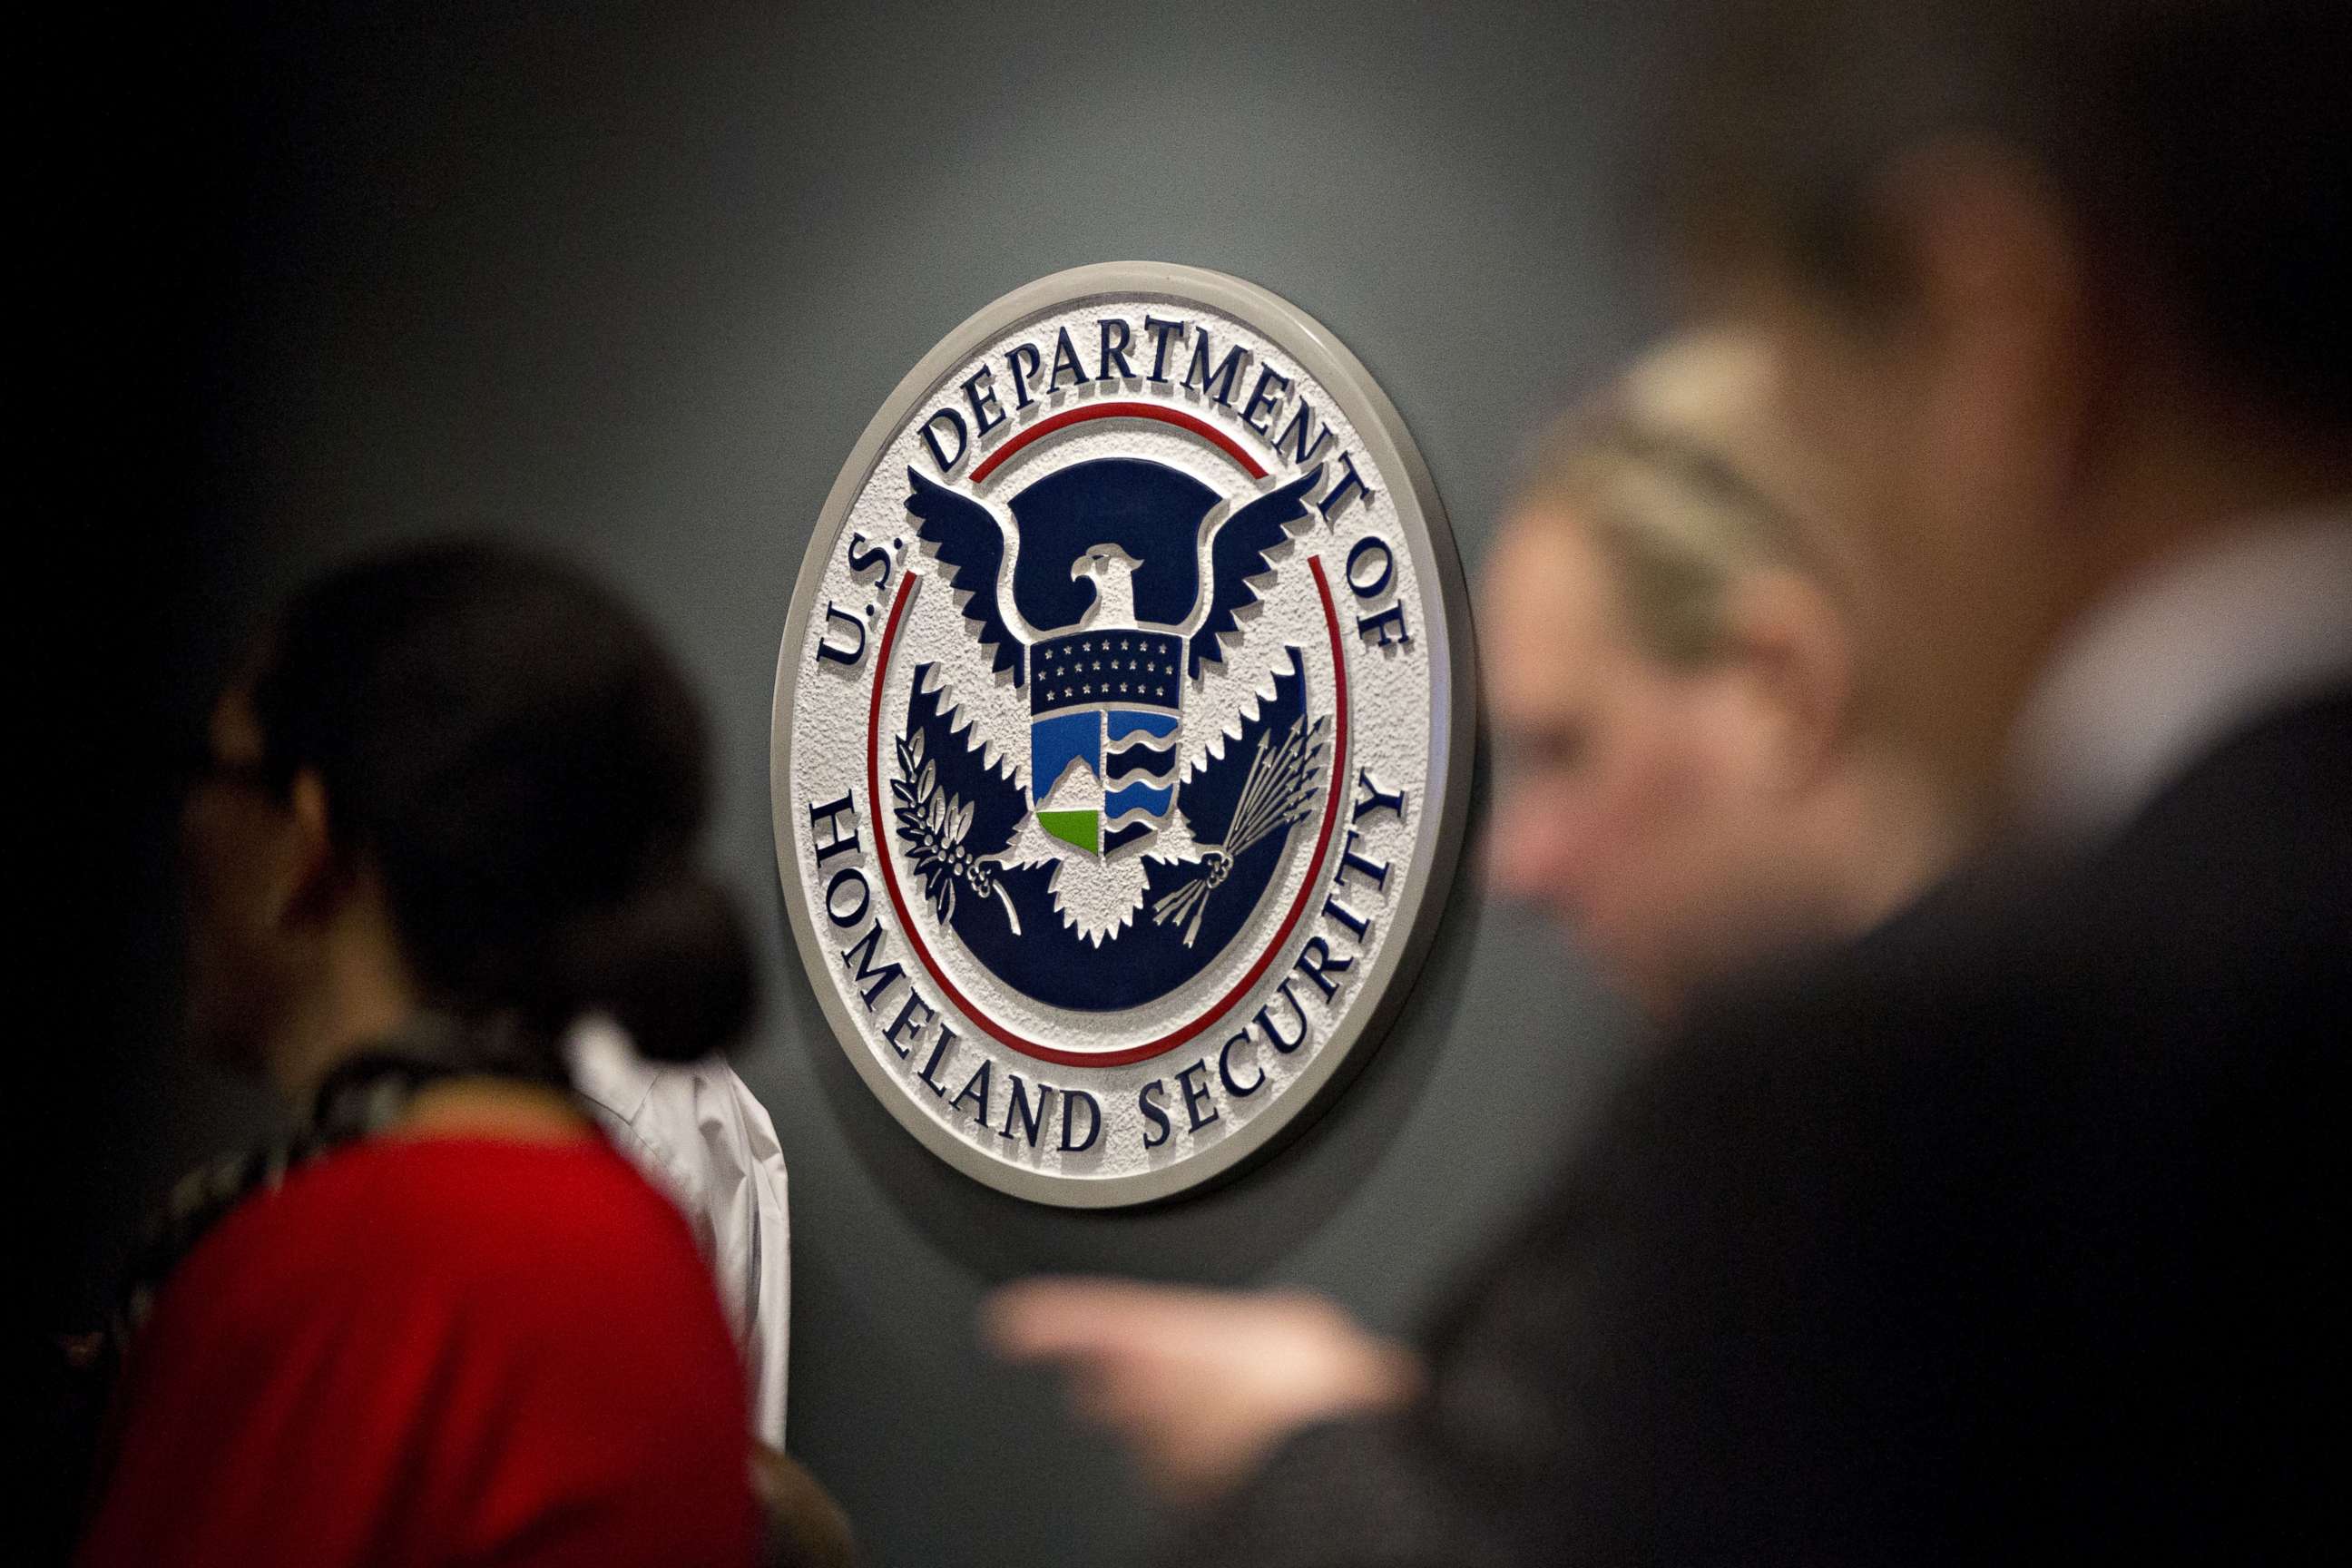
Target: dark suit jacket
2016	1228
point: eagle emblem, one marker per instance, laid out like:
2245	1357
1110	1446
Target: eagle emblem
1148	811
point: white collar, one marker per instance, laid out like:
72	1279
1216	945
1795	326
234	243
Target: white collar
605	1066
2168	664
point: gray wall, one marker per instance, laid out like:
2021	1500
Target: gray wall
633	287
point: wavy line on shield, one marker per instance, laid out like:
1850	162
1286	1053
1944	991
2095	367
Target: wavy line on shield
1126	724
1118	803
1120	837
1156	763
1140	743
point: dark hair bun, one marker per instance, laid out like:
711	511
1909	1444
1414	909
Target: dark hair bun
669	963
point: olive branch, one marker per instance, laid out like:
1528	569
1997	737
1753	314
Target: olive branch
934	825
1278	793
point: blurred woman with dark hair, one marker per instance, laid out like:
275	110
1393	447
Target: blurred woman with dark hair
451	810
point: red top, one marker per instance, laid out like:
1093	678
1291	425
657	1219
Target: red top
436	1351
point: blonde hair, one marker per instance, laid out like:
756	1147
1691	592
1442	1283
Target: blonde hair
1680	478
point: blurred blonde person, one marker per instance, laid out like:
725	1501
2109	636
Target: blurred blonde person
1692	778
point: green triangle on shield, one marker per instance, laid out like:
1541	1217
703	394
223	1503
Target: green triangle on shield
1083	828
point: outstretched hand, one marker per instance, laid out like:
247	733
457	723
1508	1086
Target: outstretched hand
1198	1384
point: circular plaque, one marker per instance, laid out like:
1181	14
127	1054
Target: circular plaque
1122	733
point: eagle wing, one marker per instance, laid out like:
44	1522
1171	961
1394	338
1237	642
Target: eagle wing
971	543
981	800
1237	554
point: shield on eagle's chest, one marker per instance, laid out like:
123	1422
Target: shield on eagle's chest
1107	568
1104	711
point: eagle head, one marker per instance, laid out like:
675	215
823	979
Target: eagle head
1102	561
1112	569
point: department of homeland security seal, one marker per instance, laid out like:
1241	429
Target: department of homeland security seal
1123	732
